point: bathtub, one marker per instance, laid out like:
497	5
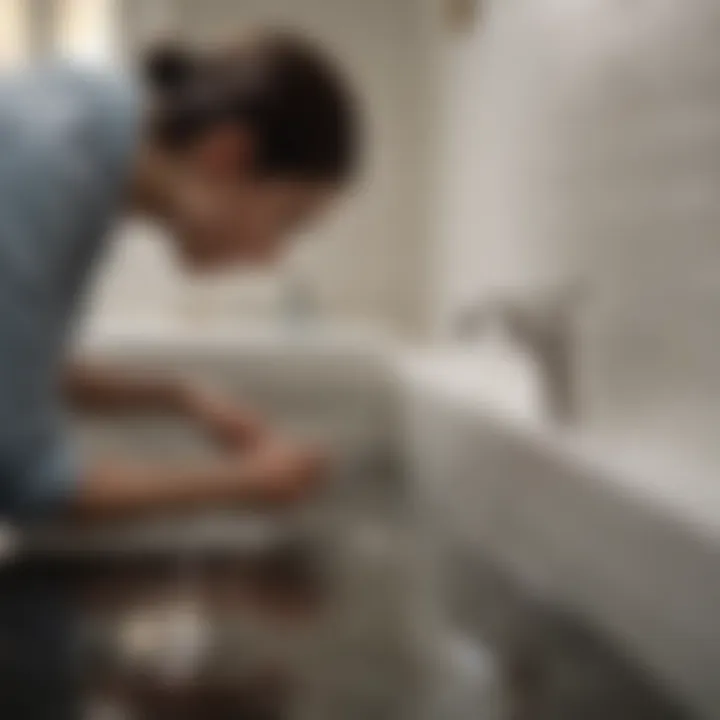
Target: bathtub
625	548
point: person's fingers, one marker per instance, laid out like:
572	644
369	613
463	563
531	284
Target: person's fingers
229	425
286	474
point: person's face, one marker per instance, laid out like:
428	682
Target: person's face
225	215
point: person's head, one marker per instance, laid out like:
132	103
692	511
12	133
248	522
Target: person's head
259	137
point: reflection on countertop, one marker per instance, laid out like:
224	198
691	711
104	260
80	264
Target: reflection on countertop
212	633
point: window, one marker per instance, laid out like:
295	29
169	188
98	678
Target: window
87	29
14	33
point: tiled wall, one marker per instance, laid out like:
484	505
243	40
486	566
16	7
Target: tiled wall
588	147
368	261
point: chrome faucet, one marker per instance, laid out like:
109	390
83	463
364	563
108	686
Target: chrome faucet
543	321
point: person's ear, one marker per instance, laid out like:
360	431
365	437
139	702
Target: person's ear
226	152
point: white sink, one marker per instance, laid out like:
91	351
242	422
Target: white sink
574	526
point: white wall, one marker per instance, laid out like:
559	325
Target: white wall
586	144
507	88
369	261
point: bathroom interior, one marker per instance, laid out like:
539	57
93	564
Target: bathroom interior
506	340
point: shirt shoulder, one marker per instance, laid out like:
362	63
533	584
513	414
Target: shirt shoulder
64	108
66	144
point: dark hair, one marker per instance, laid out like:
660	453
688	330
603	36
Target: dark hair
296	104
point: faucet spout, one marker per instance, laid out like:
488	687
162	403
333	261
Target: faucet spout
543	322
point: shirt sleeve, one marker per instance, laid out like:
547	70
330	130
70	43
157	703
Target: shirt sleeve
59	177
37	471
40	480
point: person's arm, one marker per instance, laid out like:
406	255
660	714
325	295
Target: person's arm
268	472
273	476
99	390
95	389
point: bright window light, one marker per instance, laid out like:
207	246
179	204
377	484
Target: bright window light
87	29
14	33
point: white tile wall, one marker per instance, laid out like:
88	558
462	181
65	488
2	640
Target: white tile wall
368	261
587	144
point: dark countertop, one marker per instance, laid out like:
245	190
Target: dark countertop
209	636
154	636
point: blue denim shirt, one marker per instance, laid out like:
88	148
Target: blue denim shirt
66	141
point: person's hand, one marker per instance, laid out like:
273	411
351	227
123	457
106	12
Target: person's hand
284	474
274	474
227	424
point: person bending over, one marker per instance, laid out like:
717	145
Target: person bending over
230	151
